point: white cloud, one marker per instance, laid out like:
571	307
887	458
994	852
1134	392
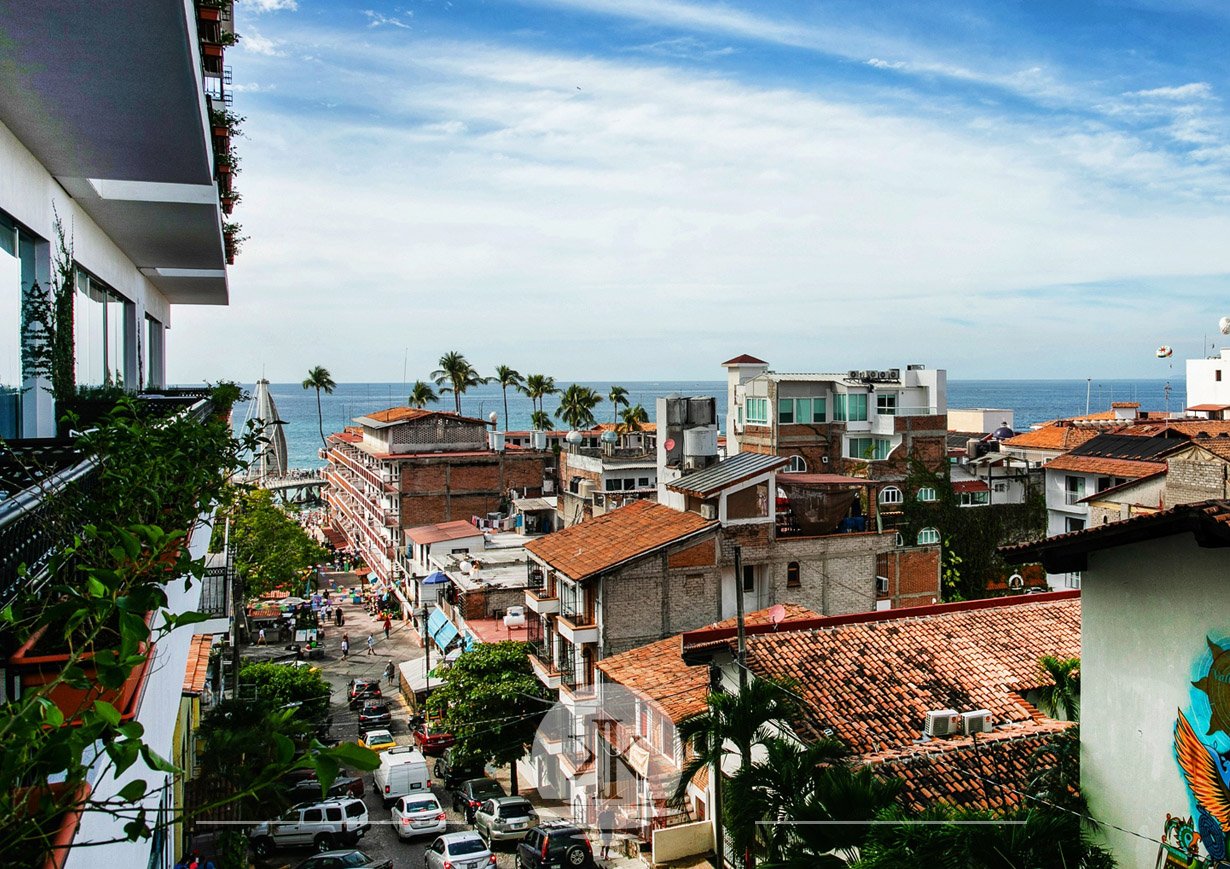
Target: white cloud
477	200
251	87
378	19
885	64
270	5
1197	90
254	42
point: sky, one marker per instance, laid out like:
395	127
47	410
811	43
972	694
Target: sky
641	189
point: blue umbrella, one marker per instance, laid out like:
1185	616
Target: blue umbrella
435	578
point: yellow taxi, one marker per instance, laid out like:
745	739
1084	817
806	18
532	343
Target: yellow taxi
377	740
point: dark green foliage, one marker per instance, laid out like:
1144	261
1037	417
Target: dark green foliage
491	702
970	535
63	347
271	549
576	407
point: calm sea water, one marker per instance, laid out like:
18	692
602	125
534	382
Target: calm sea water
1032	401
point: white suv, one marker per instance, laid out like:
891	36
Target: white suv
324	826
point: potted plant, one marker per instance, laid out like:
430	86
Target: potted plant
229	200
232	240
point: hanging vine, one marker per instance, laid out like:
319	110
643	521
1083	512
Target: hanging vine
63	350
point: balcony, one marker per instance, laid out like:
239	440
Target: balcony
541	601
575	633
545	671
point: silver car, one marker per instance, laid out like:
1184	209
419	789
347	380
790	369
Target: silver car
504	819
459	850
419	815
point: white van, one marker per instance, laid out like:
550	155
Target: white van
402	771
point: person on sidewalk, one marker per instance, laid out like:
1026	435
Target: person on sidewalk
345	645
388	625
260	637
388	672
606	830
371	645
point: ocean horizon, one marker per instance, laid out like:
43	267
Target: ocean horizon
1031	402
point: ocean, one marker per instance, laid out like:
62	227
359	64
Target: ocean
1032	402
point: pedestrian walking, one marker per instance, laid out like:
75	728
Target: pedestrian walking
337	616
260	637
371	645
606	830
388	672
345	645
388	625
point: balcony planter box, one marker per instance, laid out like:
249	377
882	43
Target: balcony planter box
221	132
209	13
228	204
211	49
60	836
33	667
224	169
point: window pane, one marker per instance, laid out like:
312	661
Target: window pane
802	410
818	410
785	410
840	403
858	408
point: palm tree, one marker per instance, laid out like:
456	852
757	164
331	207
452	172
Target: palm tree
742	720
540	420
319	379
538	387
421	394
507	377
576	407
633	418
1062	698
456	375
618	397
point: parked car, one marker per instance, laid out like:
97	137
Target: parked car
352	859
558	845
504	819
377	740
307	788
472	793
459	851
322	825
419	815
359	690
452	774
374	713
430	741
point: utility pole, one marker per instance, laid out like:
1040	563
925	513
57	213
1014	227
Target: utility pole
741	646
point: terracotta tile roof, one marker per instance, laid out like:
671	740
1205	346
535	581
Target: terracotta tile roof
989	776
745	359
1057	436
1115	404
1101	415
1209	407
872	678
198	664
1208	520
657	671
1219	446
1107	467
607	540
455	530
647	427
970	486
406	414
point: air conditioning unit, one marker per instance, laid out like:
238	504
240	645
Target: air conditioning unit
978	721
942	722
894	374
853	375
881	585
708	511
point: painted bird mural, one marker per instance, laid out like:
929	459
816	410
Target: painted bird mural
1208	776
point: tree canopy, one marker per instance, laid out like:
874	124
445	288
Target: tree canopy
576	406
492	703
270	547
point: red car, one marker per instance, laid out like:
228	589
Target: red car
430	742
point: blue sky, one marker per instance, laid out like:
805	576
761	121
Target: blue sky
638	190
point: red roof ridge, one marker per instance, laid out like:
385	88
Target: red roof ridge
706	636
745	359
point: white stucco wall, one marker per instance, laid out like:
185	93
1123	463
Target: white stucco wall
1146	610
1203	387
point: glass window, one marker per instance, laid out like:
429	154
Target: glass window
850	407
798	465
749	578
818	410
974	499
100	327
891	495
886	403
793	579
758	411
926	493
313	816
802	410
785	410
928	536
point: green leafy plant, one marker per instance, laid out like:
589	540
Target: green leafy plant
576	406
271	549
492	703
456	375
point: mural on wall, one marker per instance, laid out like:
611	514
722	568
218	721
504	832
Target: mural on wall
1202	751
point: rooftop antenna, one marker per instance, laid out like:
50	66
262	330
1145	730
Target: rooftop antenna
1088	386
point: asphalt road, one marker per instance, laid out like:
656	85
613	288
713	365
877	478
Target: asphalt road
381	841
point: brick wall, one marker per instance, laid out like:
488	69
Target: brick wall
1189	481
913	576
703	554
443	489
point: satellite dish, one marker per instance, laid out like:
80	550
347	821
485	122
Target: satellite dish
1224	325
670	444
1165	352
1016	582
777	614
